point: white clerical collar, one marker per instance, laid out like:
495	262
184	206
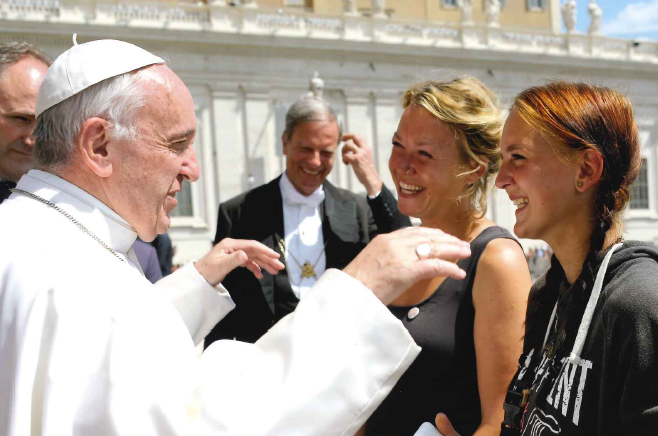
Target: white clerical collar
292	196
95	215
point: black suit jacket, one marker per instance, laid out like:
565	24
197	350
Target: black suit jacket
4	189
349	222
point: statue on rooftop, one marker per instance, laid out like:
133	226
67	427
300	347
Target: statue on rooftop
569	15
316	87
349	7
467	10
379	9
595	18
492	11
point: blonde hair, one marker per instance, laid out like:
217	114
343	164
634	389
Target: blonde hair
472	111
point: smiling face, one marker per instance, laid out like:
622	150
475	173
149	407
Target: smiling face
424	163
310	154
537	181
19	86
151	168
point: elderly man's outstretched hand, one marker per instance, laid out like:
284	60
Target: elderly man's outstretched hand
232	253
392	263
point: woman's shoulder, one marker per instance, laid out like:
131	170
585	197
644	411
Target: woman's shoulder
502	264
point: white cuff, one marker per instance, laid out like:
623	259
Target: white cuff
200	305
372	197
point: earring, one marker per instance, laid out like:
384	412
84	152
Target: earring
580	183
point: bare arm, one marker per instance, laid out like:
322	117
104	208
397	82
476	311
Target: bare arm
500	294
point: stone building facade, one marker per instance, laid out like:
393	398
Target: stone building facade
245	62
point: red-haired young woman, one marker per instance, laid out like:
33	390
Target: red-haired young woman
590	364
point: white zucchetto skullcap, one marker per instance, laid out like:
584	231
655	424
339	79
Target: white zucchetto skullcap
86	64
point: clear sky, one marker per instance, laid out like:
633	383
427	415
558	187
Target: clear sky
633	19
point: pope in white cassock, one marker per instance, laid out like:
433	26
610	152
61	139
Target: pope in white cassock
89	347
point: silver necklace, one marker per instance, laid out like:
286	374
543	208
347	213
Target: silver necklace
308	270
67	215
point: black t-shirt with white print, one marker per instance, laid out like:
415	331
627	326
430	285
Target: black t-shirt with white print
612	389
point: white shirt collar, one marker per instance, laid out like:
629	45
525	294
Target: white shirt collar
292	196
304	240
96	216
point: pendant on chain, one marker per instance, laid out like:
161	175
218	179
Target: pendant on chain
308	271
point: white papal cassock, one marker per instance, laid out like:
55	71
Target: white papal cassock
89	347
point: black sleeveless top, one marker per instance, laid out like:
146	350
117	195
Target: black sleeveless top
444	376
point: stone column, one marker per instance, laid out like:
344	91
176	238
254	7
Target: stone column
386	114
358	105
229	143
262	162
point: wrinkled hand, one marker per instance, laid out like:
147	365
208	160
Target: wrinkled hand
389	264
358	153
232	253
444	425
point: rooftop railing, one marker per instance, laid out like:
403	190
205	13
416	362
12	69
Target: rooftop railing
219	17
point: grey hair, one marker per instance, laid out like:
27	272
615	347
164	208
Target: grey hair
307	110
12	52
116	100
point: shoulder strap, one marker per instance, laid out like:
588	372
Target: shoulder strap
487	235
478	245
591	305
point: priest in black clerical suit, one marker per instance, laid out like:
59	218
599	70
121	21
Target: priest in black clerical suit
338	223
